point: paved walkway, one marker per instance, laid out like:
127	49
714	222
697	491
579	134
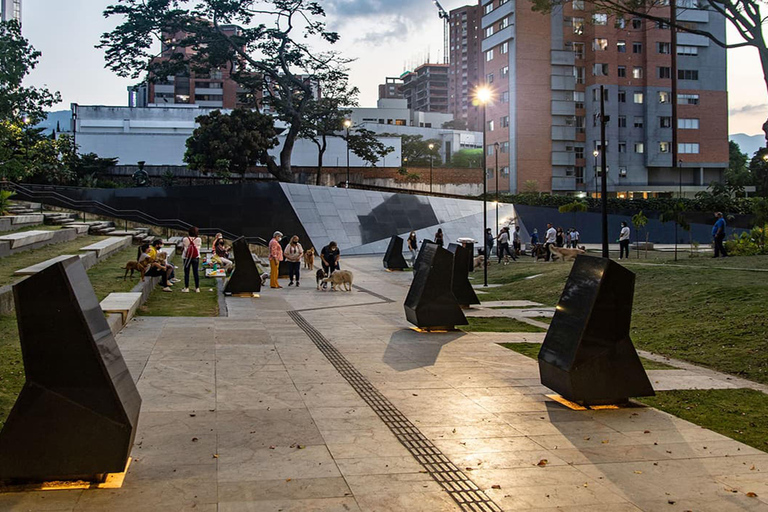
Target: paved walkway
343	407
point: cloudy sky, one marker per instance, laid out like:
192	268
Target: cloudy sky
385	36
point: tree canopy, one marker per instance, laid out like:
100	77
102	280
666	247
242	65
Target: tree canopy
268	51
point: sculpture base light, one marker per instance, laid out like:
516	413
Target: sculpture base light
393	258
245	278
430	304
587	355
76	416
460	285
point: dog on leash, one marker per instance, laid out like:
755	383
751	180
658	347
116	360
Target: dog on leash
309	259
565	254
264	278
539	252
340	278
478	261
134	266
320	275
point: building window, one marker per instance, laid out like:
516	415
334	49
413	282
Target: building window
638	122
687	99
637	23
504	172
664	72
504	122
637	72
621	71
578	5
688	147
489	31
489	55
578	25
490	126
578	72
596	94
663	48
489	150
663	97
489	173
504	47
687	50
620	23
622	121
505	71
578	50
621	46
504	23
579	124
600	19
639	147
622	172
638	97
599	45
579	152
622	146
662	25
599	69
637	47
663	147
489	78
488	8
504	148
665	122
578	98
688	124
622	96
687	74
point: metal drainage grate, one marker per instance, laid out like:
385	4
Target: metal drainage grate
463	490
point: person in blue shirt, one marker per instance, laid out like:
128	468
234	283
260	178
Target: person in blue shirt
718	233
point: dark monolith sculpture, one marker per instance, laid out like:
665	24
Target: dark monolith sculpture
245	277
393	258
460	285
587	355
77	413
430	303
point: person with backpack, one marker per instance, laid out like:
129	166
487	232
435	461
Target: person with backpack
190	257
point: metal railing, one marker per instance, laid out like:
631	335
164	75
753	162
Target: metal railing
47	194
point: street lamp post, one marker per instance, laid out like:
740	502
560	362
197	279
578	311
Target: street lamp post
431	147
347	125
483	96
496	170
595	153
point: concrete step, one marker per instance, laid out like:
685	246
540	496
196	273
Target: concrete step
26	238
108	246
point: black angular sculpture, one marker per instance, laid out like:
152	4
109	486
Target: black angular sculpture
77	413
393	258
417	264
587	355
460	285
245	277
430	304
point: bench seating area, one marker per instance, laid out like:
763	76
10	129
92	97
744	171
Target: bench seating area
109	246
26	238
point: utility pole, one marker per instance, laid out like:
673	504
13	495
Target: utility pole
604	174
673	76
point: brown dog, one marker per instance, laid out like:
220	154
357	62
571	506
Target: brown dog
565	254
309	259
133	266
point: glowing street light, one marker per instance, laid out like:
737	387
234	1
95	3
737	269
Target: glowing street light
347	124
483	95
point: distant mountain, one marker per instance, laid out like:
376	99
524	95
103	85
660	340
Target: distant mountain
748	144
62	117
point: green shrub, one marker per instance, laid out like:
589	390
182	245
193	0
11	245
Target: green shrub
747	244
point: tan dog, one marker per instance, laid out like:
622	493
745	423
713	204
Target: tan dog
478	262
309	259
564	254
340	278
133	266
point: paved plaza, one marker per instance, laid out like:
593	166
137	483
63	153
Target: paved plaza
302	400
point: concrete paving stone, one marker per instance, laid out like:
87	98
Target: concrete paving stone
178	385
43	501
308	505
413	502
481	446
379	466
397	483
236	464
535	497
170	448
168	355
242	337
256	429
231	397
733	503
354	444
283	489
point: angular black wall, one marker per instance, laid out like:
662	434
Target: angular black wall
430	302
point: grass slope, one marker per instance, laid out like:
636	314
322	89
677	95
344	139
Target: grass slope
205	303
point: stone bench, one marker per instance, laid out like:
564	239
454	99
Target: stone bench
79	227
37	267
109	246
31	218
26	238
125	304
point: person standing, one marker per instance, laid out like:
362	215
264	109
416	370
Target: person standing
329	257
516	245
559	237
624	240
718	234
413	246
550	239
503	239
439	237
489	240
534	241
275	257
190	258
293	254
575	235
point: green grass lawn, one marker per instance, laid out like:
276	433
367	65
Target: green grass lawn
205	303
11	264
11	366
741	414
711	317
543	319
532	350
107	276
498	324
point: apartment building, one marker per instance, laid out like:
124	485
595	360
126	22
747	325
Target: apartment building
544	119
426	88
465	66
392	89
10	10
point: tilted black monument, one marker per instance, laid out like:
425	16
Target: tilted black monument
393	258
77	413
460	285
587	355
245	277
430	303
417	264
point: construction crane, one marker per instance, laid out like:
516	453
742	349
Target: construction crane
446	20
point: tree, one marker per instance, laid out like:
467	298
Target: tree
20	104
472	158
676	214
415	150
367	146
455	124
744	15
575	207
272	57
737	176
224	143
758	166
639	220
